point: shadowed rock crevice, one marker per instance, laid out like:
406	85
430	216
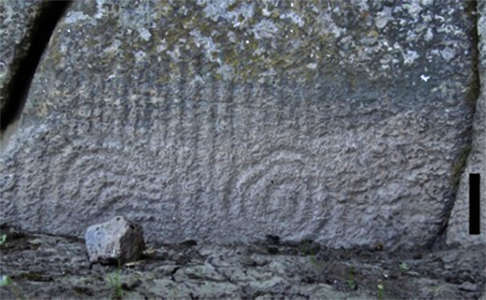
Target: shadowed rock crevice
458	223
25	62
459	167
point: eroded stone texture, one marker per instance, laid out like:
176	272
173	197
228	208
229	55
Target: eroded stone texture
458	229
339	121
16	20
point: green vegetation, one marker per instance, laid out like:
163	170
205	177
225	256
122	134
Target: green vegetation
320	265
351	282
114	280
308	247
404	267
381	289
7	282
3	239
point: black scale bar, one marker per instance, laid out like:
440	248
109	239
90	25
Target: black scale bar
474	207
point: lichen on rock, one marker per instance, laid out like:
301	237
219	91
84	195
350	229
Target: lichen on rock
338	121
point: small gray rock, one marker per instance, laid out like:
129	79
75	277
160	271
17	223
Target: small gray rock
117	240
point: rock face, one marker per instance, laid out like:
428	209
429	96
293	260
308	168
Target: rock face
16	20
117	240
458	229
219	120
26	27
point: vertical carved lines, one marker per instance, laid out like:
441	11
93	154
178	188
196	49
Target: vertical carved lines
115	127
180	129
46	162
125	103
288	107
281	102
195	170
138	106
171	122
223	141
303	203
212	134
131	102
165	108
204	145
155	125
248	114
309	204
292	104
171	146
266	107
231	155
181	136
239	118
220	159
178	137
302	113
258	120
274	108
100	112
239	209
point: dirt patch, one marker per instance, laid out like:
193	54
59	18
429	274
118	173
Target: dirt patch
44	266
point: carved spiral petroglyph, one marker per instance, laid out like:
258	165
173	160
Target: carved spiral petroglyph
212	157
199	123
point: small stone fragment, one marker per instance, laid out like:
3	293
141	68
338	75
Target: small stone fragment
117	240
468	286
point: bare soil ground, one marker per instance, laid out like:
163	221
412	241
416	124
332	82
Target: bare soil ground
44	267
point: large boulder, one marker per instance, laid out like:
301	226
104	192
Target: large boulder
219	120
458	229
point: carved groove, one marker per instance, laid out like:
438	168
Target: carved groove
192	150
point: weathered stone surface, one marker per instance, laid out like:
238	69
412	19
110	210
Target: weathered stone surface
339	121
117	240
26	27
186	270
16	20
458	228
